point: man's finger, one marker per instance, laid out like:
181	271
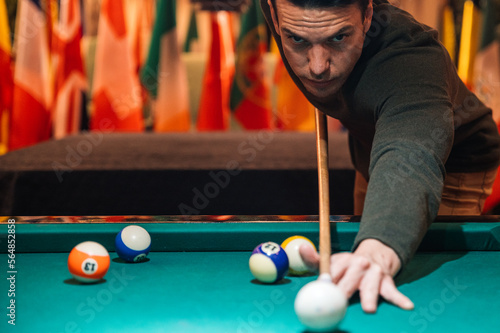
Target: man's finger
369	289
391	294
309	256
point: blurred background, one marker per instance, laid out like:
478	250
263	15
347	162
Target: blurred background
166	65
69	67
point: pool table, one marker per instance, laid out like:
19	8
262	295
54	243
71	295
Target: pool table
196	279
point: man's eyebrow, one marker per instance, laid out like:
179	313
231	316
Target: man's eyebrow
343	30
289	32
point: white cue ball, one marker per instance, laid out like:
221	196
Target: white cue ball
321	305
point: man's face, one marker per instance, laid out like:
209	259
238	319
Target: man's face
321	45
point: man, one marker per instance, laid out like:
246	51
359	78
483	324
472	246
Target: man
416	133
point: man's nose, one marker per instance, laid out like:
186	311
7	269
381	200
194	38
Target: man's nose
319	62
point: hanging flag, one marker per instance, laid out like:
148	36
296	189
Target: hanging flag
140	19
70	82
6	81
192	34
214	110
33	86
250	96
469	41
116	95
164	74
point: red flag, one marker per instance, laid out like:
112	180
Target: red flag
6	82
214	111
30	122
116	95
70	80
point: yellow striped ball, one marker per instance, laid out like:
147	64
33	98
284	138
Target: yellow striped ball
291	246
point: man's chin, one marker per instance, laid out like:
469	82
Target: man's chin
321	90
322	95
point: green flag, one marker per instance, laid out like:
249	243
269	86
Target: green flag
192	34
164	74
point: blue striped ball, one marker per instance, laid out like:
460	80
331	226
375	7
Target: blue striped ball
269	262
133	243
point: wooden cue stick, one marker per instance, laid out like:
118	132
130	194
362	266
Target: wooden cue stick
324	192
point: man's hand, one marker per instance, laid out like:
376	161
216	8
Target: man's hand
370	269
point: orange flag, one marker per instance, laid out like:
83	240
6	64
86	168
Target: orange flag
116	95
214	111
293	110
70	81
140	20
6	83
33	91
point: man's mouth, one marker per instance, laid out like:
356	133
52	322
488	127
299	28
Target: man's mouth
320	84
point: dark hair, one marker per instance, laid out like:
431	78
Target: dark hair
363	4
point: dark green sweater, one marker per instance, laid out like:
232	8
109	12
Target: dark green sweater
410	120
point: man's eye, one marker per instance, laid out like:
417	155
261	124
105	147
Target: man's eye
296	39
339	38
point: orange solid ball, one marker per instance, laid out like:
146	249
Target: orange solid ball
88	262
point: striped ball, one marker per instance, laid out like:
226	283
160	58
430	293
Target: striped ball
133	243
291	246
268	262
88	262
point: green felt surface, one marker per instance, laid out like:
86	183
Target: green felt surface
197	280
215	292
237	236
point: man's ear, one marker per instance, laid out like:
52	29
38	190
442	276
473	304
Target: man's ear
274	16
368	17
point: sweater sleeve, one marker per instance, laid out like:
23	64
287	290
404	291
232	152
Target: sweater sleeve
413	137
